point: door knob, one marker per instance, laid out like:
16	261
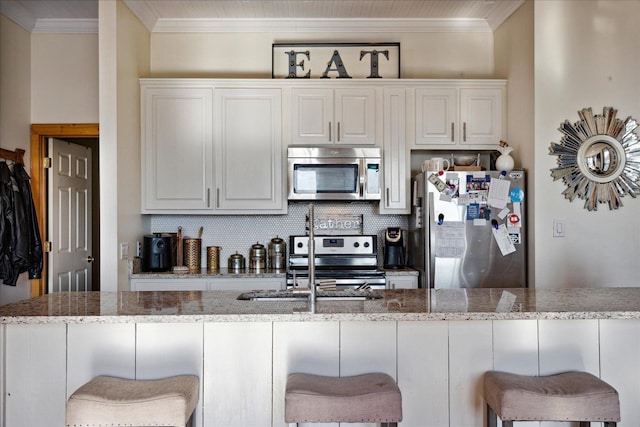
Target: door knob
89	259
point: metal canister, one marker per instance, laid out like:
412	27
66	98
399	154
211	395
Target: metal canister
257	257
192	252
277	254
213	258
236	262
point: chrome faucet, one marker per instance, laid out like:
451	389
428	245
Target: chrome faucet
311	255
312	260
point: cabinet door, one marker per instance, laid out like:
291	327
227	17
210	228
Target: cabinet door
168	285
436	116
177	138
35	385
354	118
248	151
481	115
312	116
402	282
248	284
395	197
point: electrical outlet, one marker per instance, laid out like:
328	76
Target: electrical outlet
124	250
139	249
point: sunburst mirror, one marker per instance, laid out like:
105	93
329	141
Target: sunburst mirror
598	158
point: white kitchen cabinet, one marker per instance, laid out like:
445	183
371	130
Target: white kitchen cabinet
248	284
248	151
322	116
209	284
211	149
310	347
396	178
402	281
35	385
177	148
238	365
165	350
466	116
423	373
169	284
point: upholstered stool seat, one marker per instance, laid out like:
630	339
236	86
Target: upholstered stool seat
373	397
111	401
568	396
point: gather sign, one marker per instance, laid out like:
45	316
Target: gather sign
337	60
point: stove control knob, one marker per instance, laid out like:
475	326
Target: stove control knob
356	245
366	244
300	244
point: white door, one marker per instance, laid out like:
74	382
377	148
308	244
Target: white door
70	217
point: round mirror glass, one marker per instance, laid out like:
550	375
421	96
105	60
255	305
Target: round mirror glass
601	158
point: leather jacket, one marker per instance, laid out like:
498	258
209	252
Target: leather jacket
20	243
28	248
8	273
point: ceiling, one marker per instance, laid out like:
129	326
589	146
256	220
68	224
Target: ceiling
269	15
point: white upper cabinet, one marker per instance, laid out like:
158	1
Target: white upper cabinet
177	143
210	149
333	116
460	116
248	152
395	198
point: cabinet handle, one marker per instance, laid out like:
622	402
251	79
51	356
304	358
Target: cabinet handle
387	197
464	131
338	131
329	131
208	197
217	197
453	130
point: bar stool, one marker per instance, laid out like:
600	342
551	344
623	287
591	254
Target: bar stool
568	396
111	401
373	397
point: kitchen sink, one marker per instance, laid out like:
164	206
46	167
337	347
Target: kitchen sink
289	295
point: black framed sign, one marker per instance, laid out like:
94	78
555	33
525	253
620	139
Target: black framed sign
335	60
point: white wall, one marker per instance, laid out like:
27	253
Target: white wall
587	54
124	56
64	78
15	121
133	62
244	55
514	62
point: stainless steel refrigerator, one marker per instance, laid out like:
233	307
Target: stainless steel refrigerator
467	229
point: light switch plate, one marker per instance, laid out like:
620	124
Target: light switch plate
124	250
559	228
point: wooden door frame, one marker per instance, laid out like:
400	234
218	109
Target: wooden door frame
40	133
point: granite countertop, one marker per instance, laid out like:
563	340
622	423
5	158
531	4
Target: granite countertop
398	305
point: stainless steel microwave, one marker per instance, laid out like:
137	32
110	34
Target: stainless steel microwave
334	173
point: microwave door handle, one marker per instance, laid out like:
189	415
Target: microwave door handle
362	184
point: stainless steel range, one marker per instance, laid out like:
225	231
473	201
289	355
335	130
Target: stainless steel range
352	261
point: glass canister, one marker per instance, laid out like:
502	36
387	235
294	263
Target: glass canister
257	257
277	254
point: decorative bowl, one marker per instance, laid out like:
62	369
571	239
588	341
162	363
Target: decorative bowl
464	160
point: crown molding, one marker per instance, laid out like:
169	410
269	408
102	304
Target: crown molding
496	18
18	14
86	26
319	25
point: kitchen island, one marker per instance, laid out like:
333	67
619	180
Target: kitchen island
436	343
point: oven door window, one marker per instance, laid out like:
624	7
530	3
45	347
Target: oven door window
334	178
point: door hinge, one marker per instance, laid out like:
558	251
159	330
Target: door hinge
47	162
47	246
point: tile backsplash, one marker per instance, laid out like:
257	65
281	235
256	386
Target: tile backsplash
238	232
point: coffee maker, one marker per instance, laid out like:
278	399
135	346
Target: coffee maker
394	249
